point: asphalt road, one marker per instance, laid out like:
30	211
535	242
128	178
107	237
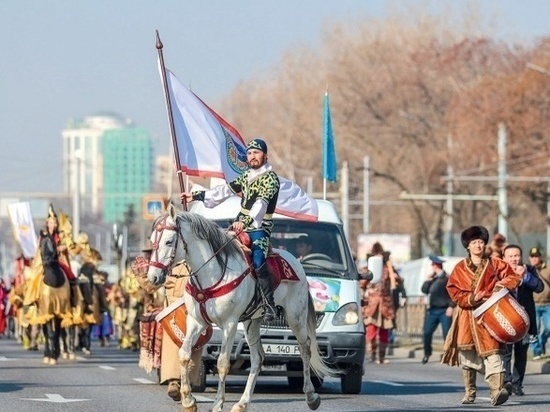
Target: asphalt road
110	381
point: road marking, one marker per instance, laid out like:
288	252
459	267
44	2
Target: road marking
4	359
144	381
389	383
54	397
107	368
203	399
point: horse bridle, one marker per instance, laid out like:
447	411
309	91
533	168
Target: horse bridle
160	227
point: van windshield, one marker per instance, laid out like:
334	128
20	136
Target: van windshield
321	247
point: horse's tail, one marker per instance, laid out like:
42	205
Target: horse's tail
317	363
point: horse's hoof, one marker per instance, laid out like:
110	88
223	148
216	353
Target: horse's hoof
190	408
46	360
315	403
65	355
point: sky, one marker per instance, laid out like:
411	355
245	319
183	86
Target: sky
66	59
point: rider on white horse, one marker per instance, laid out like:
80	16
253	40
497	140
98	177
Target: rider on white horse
259	187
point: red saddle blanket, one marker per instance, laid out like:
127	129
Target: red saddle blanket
279	269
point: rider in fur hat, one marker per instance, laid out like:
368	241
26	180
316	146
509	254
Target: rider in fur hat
259	187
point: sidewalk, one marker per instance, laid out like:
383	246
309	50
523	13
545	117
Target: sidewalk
415	351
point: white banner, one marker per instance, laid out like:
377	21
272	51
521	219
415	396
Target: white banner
23	228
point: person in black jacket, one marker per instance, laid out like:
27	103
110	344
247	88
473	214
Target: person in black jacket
440	305
531	283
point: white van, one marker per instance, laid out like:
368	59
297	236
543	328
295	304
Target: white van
333	281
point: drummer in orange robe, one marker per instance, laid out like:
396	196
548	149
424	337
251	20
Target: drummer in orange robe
468	343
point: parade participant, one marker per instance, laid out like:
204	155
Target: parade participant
259	187
116	302
54	302
530	282
3	302
378	311
104	330
133	309
440	305
472	282
93	306
170	369
542	304
27	332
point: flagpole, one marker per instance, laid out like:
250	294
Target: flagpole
159	46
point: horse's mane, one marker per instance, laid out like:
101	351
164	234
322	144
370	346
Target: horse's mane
208	230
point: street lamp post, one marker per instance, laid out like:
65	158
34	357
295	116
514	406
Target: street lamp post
76	197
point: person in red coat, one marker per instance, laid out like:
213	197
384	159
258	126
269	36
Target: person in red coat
471	283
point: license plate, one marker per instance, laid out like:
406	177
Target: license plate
277	349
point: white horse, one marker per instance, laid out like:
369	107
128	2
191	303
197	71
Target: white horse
223	282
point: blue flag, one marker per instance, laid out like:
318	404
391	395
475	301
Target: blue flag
329	155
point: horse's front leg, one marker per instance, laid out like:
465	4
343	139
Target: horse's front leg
257	356
184	355
224	363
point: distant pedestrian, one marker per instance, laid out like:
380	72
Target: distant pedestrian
530	283
440	305
542	303
497	245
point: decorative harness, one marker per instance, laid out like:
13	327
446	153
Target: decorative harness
200	294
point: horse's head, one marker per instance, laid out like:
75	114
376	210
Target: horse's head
164	238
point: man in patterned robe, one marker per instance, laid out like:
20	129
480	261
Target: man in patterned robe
471	283
259	189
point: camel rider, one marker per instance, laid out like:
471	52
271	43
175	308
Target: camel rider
259	188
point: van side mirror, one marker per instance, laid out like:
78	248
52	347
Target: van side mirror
375	265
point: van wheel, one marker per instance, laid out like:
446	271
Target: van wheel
352	380
200	386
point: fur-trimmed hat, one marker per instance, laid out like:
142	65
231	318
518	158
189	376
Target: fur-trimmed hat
472	233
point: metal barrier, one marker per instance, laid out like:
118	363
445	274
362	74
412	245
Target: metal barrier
410	321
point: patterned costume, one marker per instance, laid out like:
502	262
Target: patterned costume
463	283
378	316
259	188
254	185
468	342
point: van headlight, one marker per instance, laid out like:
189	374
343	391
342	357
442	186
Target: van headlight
346	315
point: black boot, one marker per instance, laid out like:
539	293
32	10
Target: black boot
266	288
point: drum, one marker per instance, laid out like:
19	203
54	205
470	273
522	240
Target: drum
503	317
173	319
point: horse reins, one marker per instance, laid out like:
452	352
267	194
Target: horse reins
159	228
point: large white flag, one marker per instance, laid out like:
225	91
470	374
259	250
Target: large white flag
23	228
208	146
